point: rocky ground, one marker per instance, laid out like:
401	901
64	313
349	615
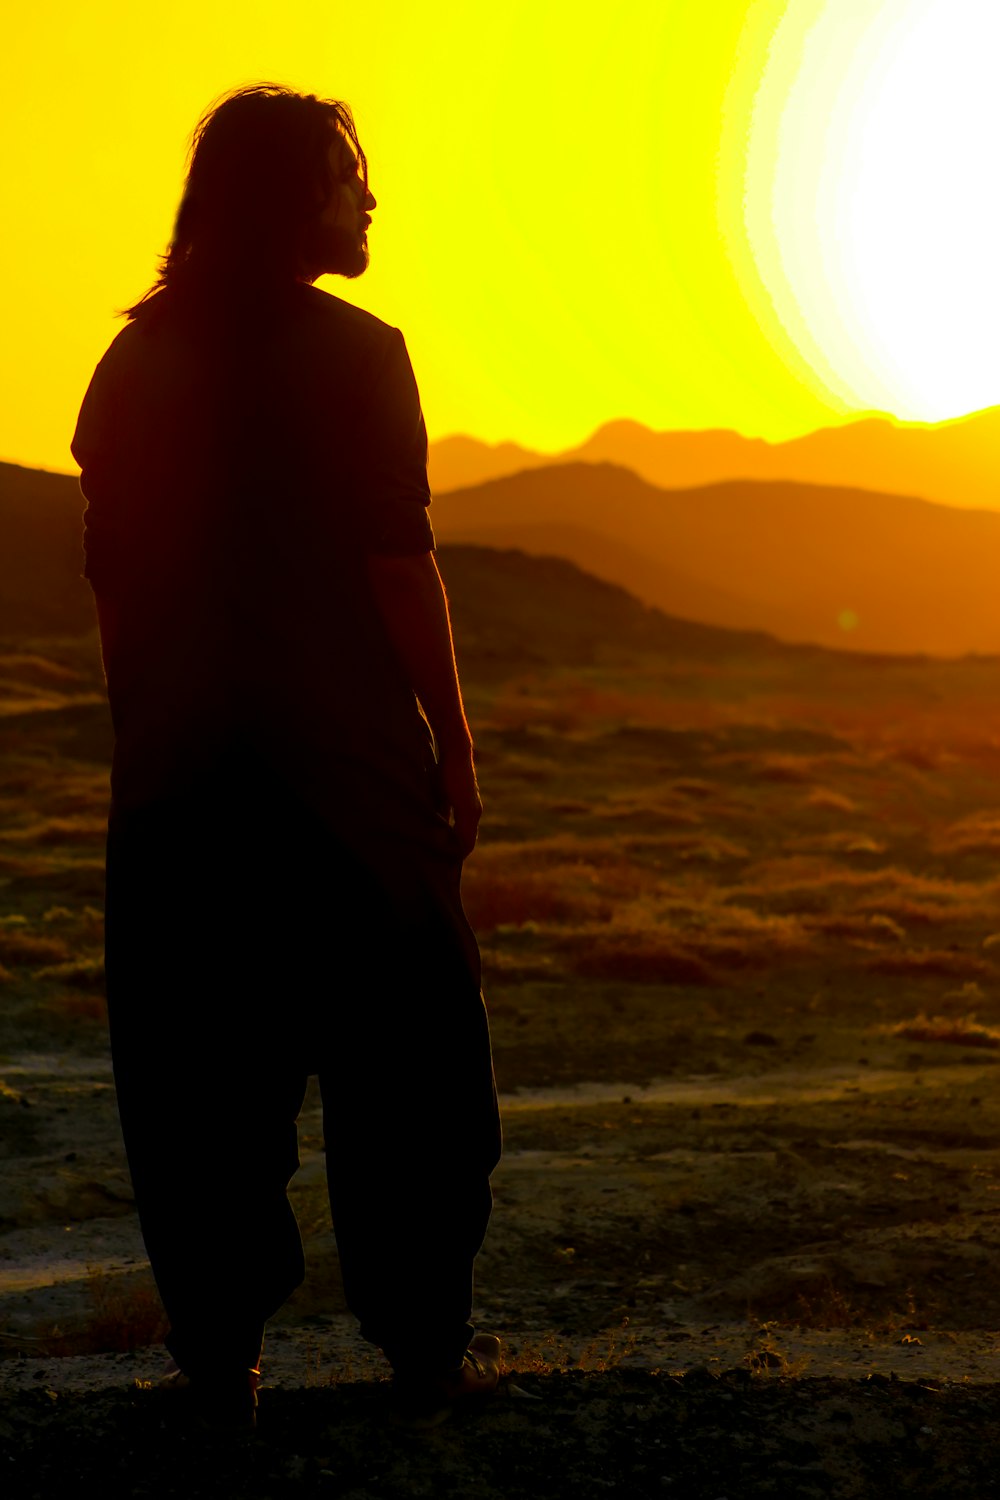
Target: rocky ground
771	1276
634	1433
739	915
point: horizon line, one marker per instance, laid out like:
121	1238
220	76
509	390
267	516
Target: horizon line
855	418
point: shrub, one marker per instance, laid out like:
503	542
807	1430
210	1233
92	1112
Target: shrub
962	1031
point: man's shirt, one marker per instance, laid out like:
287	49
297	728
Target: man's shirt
239	467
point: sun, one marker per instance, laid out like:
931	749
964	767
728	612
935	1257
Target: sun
870	201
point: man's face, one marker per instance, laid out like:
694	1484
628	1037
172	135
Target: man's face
343	221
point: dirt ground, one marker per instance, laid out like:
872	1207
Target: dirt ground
771	1274
741	924
631	1433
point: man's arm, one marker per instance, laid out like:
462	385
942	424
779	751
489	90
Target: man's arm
107	623
411	599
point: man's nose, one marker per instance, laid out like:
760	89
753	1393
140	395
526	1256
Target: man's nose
370	202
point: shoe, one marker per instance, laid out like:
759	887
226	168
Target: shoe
225	1406
420	1402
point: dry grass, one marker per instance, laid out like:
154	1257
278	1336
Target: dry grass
704	848
548	1353
650	814
827	799
537	1356
550	851
765	1361
687	823
28	667
79	793
516	967
636	958
826	1307
76	1005
811	884
125	1313
839	841
786	770
639	909
688	941
496	898
84	973
556	881
977	834
928	962
68	953
570	706
19	946
16	867
862	930
962	1031
80	829
692	786
320	1369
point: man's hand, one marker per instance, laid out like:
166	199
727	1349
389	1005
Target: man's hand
108	612
411	599
458	781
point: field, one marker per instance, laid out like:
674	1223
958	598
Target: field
739	906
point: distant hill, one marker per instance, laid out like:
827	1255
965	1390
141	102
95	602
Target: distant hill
838	567
456	462
956	463
800	562
41	555
510	610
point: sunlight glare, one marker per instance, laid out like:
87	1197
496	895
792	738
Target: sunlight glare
871	207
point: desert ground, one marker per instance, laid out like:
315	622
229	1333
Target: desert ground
739	905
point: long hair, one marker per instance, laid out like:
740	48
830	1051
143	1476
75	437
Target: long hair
258	176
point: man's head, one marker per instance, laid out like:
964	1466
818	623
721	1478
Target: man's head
277	189
338	241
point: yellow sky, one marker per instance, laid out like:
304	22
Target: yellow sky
560	231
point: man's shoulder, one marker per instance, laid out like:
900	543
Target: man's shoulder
132	343
123	342
344	319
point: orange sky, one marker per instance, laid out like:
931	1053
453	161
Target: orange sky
579	219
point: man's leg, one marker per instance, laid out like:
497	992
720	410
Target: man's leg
412	1135
208	1091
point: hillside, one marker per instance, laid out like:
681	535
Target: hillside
41	588
509	609
838	567
737	908
811	564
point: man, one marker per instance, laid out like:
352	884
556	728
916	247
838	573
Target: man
293	785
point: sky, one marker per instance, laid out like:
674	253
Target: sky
767	216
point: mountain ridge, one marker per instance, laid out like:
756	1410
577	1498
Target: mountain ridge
563	613
840	568
954	463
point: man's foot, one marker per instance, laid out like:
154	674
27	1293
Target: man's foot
420	1402
226	1405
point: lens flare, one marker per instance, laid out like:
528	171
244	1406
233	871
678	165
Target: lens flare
869	205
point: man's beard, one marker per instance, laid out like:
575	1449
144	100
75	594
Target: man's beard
343	254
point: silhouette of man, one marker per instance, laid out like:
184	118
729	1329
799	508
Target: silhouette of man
293	786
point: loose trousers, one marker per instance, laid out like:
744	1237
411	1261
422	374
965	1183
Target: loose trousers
246	949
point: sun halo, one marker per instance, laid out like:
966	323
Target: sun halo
868	209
